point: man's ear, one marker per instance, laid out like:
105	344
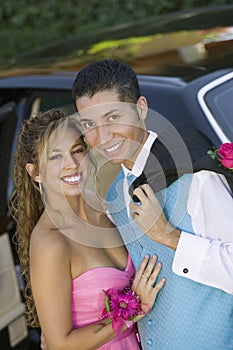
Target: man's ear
31	171
142	107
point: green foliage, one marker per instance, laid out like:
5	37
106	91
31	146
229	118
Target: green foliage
26	25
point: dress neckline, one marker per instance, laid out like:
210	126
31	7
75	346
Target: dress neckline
104	267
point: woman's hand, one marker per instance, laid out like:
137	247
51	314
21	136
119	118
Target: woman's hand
145	283
43	344
150	217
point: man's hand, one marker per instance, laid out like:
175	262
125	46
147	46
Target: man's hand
150	217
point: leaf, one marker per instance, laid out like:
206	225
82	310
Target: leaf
214	153
107	302
105	323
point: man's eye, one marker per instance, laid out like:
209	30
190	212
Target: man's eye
79	150
113	118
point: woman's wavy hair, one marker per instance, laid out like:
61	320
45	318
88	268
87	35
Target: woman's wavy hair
26	204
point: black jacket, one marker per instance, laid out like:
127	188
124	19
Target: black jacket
176	152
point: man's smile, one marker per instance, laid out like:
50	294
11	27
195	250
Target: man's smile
114	148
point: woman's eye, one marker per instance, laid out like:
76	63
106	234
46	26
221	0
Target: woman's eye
56	156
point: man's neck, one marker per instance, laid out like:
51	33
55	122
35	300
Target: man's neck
129	163
136	165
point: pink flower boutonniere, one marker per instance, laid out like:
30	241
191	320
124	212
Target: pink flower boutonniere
224	154
121	307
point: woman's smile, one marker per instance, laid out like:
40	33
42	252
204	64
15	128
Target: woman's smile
73	179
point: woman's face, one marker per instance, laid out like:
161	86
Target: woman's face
67	165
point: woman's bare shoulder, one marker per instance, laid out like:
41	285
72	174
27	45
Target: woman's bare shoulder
46	239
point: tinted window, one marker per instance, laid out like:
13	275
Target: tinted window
219	101
44	100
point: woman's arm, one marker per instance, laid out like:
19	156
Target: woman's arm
51	285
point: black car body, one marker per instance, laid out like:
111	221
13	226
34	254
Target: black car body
204	103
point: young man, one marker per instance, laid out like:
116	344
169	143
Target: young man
195	309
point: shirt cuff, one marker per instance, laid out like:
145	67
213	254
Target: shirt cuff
189	256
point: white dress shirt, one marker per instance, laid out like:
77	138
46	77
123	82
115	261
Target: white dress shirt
138	166
207	256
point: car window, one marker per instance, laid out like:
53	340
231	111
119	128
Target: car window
219	101
45	99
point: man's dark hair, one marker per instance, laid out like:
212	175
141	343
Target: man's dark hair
107	75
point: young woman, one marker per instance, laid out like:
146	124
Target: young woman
72	258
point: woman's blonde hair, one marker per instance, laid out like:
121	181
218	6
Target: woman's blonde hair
26	205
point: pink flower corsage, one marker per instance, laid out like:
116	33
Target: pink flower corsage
224	154
121	307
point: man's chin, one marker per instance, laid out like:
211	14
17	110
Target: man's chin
119	160
111	159
116	161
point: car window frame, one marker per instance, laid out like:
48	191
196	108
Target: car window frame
201	97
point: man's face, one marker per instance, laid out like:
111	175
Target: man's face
116	129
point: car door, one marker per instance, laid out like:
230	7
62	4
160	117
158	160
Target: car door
8	120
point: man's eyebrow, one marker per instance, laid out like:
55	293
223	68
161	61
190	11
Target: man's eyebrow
103	116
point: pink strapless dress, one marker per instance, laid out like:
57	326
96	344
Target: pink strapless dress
88	301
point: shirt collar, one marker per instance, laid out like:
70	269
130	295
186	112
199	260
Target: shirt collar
141	159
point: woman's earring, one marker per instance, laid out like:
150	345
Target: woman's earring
40	187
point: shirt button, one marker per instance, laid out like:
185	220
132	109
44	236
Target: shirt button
185	270
149	323
149	342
